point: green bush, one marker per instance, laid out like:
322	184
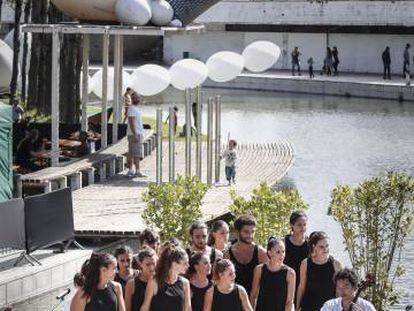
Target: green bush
271	209
171	208
376	217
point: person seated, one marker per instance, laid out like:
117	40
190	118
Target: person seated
84	148
28	150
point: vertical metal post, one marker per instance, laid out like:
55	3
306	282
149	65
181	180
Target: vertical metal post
199	142
159	148
218	138
210	141
187	132
116	99
171	145
121	76
85	81
104	113
55	97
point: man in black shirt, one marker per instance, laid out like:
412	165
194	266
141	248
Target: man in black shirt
386	60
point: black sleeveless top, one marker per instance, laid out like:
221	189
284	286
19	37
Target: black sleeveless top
169	297
103	299
273	290
295	255
227	302
320	286
213	257
244	272
122	281
197	297
139	294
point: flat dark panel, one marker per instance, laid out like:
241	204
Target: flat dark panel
12	228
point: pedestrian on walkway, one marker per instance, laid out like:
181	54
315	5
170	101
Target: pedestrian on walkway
230	158
335	60
386	62
310	64
406	64
127	102
328	61
295	60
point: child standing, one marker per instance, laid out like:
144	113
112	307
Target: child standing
230	157
310	63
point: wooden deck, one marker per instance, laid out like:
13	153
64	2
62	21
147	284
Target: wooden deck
114	207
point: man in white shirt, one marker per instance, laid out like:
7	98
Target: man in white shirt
346	282
135	134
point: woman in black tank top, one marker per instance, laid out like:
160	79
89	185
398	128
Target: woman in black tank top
168	290
273	283
97	292
226	295
316	283
125	272
135	288
198	272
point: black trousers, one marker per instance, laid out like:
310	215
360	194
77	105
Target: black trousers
387	71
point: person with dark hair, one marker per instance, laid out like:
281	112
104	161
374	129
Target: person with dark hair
96	290
273	286
174	117
198	272
335	60
225	294
386	62
150	238
328	61
198	242
168	290
245	254
296	243
125	272
135	288
406	63
316	274
28	151
230	158
219	235
127	102
346	283
295	60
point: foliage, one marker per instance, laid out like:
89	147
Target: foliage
271	209
375	218
173	207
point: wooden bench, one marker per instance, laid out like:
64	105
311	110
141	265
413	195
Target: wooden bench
105	163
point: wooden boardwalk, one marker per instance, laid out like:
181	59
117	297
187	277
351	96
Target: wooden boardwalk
114	207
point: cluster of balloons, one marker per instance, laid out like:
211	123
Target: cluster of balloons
223	66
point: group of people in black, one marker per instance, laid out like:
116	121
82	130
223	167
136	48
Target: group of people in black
296	272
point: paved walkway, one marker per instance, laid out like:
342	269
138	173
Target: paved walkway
115	206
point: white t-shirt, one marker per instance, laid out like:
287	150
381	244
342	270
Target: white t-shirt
230	157
134	111
336	305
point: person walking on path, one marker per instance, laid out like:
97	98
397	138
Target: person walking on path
386	62
406	64
230	157
174	120
127	102
328	61
295	60
245	254
335	60
310	64
273	283
135	134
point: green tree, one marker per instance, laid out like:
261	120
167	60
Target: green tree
271	209
171	208
375	218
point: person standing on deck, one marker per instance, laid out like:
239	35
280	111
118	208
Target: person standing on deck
386	62
295	60
406	64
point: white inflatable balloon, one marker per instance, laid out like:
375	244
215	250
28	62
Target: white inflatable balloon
162	12
95	83
224	66
150	79
176	23
6	65
188	73
260	55
137	12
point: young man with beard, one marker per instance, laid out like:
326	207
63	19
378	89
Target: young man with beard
245	254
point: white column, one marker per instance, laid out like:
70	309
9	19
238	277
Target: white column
85	81
55	97
104	114
115	105
121	76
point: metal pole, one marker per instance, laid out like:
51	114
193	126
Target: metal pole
115	105
210	141
121	76
104	113
159	147
187	132
85	81
199	143
218	138
171	145
55	97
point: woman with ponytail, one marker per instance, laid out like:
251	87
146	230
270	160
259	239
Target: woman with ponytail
96	290
200	269
168	290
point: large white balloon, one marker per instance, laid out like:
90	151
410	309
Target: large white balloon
137	12
6	65
260	55
188	73
150	79
95	83
224	66
162	12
